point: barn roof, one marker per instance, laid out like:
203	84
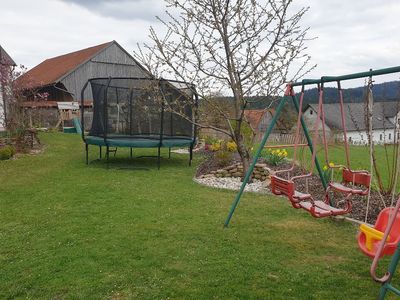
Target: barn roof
54	69
355	115
6	59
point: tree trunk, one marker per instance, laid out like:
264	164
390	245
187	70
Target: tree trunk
244	155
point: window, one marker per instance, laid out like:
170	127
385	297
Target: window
311	111
350	139
362	137
380	137
390	136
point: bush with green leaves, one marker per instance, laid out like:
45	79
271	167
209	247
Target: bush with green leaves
6	152
223	157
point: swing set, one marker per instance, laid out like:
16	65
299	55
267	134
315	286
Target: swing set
354	182
384	237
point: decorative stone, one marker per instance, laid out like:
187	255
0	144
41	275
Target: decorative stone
231	167
267	182
232	183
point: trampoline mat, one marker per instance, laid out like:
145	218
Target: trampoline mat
139	142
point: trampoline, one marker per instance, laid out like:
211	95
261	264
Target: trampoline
139	113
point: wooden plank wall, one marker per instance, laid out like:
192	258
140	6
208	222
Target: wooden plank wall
112	61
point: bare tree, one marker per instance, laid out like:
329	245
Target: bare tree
240	48
15	91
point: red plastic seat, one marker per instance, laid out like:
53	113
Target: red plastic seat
380	225
360	179
320	209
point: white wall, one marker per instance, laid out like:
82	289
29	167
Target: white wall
379	136
310	116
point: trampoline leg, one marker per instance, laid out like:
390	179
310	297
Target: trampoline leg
115	152
159	158
87	153
169	152
100	155
131	153
108	155
190	155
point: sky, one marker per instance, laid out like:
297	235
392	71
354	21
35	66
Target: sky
350	36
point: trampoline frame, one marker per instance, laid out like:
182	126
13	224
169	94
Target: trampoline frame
113	141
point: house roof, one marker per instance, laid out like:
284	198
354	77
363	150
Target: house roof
254	116
6	59
355	115
54	69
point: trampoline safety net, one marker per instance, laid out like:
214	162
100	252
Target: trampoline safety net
142	107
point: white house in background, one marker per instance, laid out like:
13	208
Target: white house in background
6	63
385	121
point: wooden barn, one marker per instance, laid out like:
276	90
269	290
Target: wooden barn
61	78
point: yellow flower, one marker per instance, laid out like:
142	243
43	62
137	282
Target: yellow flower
331	164
231	146
325	168
215	147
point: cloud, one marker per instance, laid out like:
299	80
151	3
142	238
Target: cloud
32	33
123	9
352	36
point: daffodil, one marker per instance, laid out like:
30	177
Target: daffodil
331	164
325	168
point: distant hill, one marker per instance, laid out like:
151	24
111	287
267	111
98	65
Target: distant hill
387	91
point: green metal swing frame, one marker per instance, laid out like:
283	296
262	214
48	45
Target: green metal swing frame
283	101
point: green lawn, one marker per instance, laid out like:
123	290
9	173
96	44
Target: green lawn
71	231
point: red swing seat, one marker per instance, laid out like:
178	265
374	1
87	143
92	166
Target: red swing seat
359	179
369	238
318	209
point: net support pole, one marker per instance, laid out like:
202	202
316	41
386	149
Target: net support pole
309	142
87	153
256	156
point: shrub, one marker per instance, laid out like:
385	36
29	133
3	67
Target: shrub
209	140
223	158
6	152
274	157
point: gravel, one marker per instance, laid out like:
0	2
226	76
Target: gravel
232	183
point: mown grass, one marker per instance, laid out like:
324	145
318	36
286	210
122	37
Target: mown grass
71	231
